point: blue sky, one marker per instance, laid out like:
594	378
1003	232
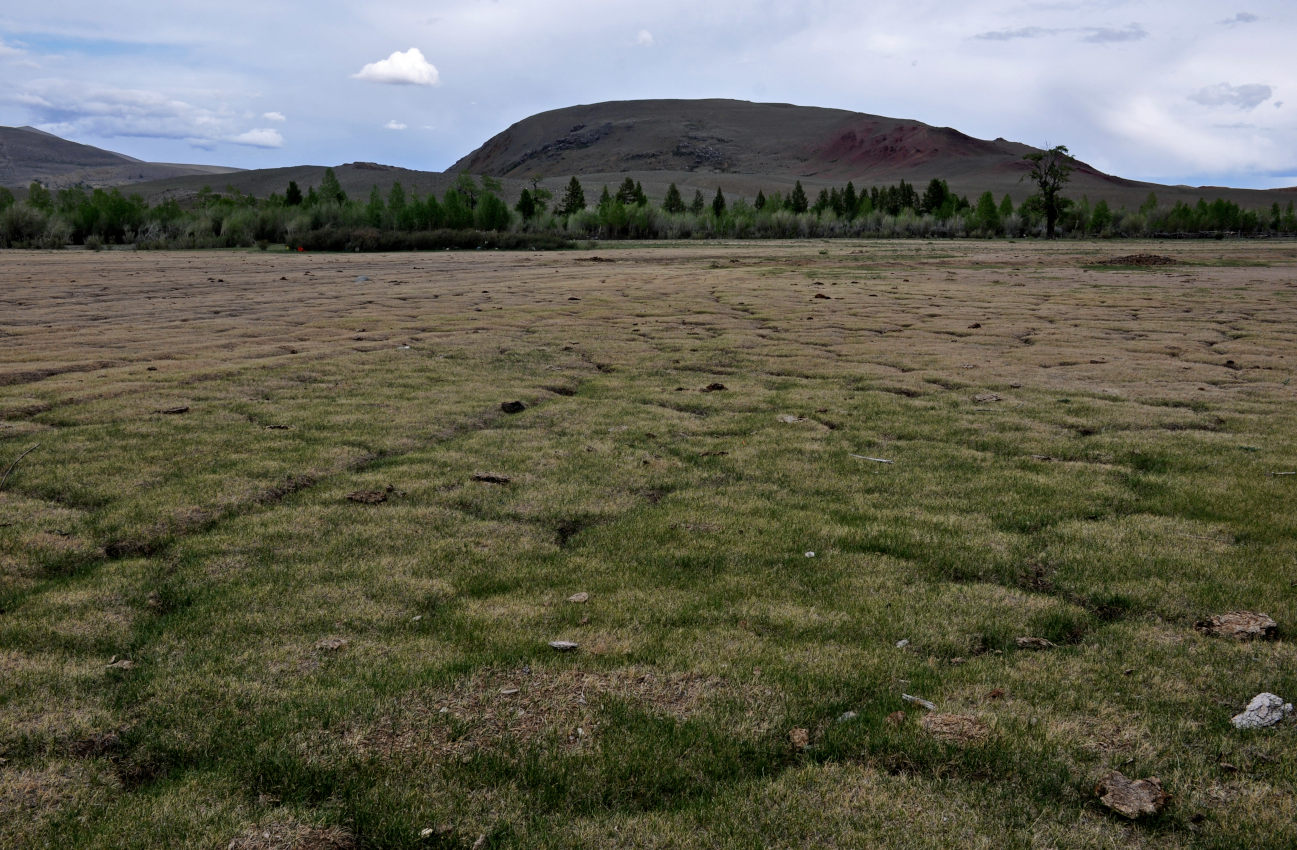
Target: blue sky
1175	92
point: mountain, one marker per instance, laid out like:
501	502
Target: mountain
738	144
28	154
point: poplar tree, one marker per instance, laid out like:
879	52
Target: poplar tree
1049	170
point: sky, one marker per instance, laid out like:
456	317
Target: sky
1184	92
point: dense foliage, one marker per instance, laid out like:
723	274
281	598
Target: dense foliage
473	213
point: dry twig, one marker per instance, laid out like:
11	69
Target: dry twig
5	477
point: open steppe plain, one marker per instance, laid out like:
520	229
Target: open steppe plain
279	572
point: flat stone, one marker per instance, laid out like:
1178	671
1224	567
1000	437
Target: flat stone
578	597
563	645
1240	625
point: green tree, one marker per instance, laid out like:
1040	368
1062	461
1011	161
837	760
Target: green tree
718	203
1149	205
1006	206
431	214
526	205
375	209
698	204
760	202
1100	218
38	197
850	201
292	195
468	189
641	199
985	216
626	192
605	198
822	202
797	200
573	199
330	189
540	196
934	197
456	214
1050	171
673	203
491	213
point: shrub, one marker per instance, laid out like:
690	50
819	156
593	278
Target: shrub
21	226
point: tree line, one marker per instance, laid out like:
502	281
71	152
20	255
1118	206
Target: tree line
473	213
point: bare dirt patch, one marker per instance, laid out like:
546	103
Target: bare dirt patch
291	835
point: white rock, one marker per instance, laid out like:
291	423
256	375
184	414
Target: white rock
1265	709
563	645
902	643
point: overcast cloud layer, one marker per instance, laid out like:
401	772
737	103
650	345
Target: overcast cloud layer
1174	92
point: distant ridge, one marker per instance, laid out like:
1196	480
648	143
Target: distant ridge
700	145
28	154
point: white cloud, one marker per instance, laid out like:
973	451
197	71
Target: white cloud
644	38
1248	96
259	138
6	50
111	112
409	68
394	125
273	116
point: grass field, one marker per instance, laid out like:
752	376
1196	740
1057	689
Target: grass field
311	606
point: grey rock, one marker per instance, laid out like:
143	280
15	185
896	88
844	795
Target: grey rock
1265	709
